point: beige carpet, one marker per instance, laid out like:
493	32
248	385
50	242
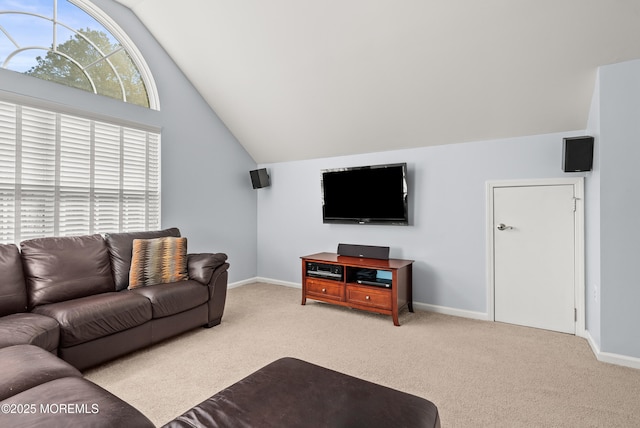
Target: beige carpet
479	374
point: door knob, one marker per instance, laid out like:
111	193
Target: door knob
502	226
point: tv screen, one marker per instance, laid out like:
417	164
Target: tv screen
374	194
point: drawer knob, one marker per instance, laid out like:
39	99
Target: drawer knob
324	290
367	297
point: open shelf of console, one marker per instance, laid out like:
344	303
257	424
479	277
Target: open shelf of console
374	285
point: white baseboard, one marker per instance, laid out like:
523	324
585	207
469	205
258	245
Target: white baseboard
607	357
267	280
278	282
451	311
241	283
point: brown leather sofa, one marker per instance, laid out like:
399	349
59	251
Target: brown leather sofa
68	296
81	283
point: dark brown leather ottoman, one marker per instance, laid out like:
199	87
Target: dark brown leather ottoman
293	393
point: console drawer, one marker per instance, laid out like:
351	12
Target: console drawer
324	289
369	296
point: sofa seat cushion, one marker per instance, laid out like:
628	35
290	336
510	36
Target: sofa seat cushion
92	317
172	298
29	329
72	402
26	366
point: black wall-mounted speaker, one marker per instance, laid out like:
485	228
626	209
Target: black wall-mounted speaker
577	154
260	178
366	251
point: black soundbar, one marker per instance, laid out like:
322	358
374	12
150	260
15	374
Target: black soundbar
366	251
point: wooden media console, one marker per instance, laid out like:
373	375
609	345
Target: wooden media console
374	285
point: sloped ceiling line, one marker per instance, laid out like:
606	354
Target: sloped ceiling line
302	79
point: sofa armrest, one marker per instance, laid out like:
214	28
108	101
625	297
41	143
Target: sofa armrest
201	266
211	269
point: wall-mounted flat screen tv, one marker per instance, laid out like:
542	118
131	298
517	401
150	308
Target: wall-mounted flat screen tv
375	194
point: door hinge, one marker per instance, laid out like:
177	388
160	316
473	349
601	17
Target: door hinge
575	314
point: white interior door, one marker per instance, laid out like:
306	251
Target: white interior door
534	256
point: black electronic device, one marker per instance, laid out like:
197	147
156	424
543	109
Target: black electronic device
384	283
326	271
375	194
373	277
260	178
577	154
366	251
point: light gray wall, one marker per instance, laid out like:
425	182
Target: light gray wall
447	197
620	205
206	190
592	225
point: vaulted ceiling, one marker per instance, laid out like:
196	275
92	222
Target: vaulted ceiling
299	79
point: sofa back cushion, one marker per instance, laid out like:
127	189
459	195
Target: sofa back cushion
13	292
65	268
121	248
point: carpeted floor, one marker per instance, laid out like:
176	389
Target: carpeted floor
478	373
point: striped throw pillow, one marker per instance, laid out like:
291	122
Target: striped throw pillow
158	261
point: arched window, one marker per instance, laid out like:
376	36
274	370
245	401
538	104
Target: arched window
71	42
67	169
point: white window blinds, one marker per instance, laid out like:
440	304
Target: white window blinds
63	175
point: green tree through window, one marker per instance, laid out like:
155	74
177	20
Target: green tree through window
90	58
80	63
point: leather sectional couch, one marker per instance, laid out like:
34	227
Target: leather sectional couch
68	297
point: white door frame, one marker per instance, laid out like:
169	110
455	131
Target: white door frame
578	187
